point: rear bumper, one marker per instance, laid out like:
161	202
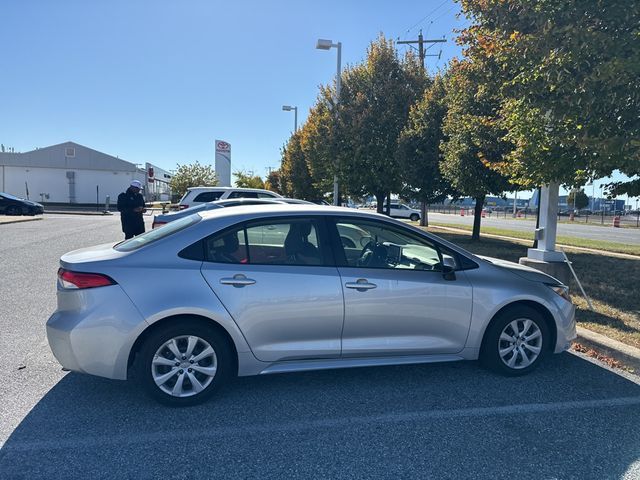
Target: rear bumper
88	334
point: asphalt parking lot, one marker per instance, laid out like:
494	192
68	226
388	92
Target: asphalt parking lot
573	418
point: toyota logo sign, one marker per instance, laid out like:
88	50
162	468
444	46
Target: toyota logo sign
220	145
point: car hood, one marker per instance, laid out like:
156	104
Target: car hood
522	271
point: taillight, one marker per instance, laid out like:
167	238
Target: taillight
183	207
76	280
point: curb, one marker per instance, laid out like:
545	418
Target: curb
76	212
623	353
4	221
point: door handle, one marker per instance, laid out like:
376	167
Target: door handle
361	285
237	280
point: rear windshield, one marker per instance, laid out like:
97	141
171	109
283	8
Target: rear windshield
156	234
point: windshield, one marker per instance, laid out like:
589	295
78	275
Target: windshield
156	234
10	197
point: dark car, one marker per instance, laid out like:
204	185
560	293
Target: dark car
12	205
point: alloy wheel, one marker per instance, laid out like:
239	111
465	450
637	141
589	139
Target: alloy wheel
184	366
520	343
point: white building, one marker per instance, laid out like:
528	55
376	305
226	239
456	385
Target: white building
67	173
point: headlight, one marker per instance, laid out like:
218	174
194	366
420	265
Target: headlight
561	290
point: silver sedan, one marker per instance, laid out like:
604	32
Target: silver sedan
271	289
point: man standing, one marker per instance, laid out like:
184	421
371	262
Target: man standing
131	208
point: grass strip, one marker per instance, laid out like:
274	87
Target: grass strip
561	239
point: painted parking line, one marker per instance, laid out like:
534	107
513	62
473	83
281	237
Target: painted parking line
214	433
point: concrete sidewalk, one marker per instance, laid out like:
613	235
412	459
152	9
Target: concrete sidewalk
6	219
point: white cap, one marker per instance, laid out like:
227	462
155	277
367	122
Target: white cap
137	184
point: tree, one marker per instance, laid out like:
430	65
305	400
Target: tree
474	140
419	150
296	179
577	199
274	182
375	100
569	80
247	180
192	175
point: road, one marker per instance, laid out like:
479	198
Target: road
573	418
580	230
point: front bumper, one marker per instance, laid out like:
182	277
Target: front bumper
566	327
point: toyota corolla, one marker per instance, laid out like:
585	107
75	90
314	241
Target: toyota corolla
273	289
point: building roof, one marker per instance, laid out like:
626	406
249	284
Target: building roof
84	158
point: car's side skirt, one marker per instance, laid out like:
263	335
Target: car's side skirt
327	364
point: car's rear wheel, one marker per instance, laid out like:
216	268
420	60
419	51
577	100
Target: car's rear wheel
516	342
184	364
414	217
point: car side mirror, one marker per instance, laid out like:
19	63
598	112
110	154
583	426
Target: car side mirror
448	273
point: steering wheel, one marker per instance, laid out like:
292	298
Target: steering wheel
366	254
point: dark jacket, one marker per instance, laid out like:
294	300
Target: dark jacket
132	222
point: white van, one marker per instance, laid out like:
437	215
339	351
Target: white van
198	195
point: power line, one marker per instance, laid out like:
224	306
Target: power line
426	16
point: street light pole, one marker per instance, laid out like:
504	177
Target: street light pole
288	108
326	45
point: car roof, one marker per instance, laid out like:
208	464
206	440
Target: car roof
297	209
224	189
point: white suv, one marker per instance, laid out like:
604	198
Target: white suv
400	210
198	195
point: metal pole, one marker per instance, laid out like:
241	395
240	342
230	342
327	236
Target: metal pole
295	119
338	85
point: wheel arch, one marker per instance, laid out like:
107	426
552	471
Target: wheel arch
538	307
172	318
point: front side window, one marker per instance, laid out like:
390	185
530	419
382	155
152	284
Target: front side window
281	242
369	244
208	196
243	195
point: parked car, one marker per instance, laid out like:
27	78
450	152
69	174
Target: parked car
273	289
12	205
197	195
159	220
400	210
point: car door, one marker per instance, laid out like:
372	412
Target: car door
277	279
397	299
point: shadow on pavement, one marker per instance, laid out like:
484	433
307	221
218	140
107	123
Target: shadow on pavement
441	421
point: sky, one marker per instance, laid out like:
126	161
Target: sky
158	81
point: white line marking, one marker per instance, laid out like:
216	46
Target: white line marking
216	432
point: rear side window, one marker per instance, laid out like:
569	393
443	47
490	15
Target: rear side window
243	195
156	234
208	196
281	242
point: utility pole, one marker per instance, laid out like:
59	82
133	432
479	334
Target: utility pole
422	53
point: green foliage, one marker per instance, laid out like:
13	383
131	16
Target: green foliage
375	100
296	180
192	175
475	142
577	199
418	152
246	180
568	76
274	182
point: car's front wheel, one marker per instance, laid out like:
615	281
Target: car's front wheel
414	217
184	364
515	342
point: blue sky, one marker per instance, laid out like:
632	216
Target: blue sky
158	81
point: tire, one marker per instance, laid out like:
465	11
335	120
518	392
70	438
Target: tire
14	210
524	356
414	217
155	377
